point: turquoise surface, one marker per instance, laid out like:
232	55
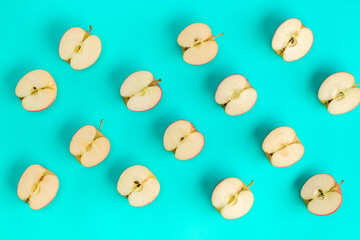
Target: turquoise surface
141	35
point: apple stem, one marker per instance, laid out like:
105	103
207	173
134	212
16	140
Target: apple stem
341	182
90	28
101	124
158	80
357	84
218	35
252	181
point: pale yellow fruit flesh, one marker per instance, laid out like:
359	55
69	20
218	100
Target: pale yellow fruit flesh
232	198
89	146
37	186
321	194
182	138
37	90
198	44
292	40
236	95
79	48
339	93
140	91
282	147
139	185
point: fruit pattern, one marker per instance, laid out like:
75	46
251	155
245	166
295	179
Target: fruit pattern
141	91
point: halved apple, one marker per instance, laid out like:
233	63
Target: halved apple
183	139
141	91
79	48
236	95
232	198
36	90
89	146
282	147
339	93
322	194
198	44
139	185
37	186
292	40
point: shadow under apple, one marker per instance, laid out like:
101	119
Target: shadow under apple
20	164
117	168
318	78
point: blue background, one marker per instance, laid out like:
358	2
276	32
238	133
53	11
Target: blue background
141	35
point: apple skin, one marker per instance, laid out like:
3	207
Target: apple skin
194	129
323	103
247	82
337	189
152	106
301	26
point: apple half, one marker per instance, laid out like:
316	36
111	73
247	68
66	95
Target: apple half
322	194
141	91
198	44
282	147
292	40
232	198
182	138
236	95
79	48
139	185
339	93
89	146
36	90
37	186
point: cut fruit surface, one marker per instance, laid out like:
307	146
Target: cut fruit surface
141	91
201	54
322	194
282	147
37	186
292	40
232	198
89	146
236	95
139	185
36	90
198	44
183	139
79	48
339	93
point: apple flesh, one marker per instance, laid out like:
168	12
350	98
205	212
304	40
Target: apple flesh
198	44
339	93
232	198
36	90
37	186
236	95
183	139
322	194
141	91
292	40
89	146
79	48
139	185
282	147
